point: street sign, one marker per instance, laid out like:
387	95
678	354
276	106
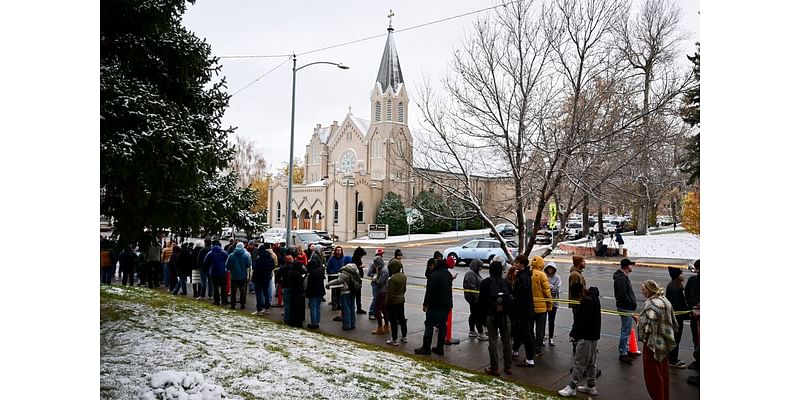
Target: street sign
553	215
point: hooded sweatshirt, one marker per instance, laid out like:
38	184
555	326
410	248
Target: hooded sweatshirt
555	282
396	288
381	277
587	322
540	287
215	261
347	275
472	281
238	263
263	267
623	291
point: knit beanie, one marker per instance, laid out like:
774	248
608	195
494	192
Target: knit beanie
576	260
674	272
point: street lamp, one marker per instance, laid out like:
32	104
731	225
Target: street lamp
291	141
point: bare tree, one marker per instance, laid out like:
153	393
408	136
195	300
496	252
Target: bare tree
648	42
248	163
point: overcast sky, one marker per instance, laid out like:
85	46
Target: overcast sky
262	111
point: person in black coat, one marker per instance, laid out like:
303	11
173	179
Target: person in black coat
294	280
675	295
358	254
586	332
184	268
523	311
262	275
495	303
315	291
437	305
128	261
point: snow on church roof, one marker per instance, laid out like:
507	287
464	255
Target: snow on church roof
362	124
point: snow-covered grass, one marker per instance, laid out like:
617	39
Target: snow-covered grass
156	346
663	243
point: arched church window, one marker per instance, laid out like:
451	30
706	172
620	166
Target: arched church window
400	112
360	212
377	111
335	212
388	110
279	211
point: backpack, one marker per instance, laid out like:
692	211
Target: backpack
501	297
354	284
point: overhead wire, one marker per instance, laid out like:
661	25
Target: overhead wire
352	42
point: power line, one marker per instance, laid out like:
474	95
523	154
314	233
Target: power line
259	78
352	42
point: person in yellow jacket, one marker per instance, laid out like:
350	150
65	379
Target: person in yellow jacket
540	288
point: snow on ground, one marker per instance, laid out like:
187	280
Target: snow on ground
420	236
155	346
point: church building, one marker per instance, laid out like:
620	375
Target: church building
350	166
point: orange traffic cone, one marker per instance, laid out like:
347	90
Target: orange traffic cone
449	337
633	347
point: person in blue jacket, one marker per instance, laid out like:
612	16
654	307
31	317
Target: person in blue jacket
215	263
335	264
238	264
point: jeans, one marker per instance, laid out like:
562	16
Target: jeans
539	320
522	333
499	324
436	317
374	296
181	285
585	361
127	277
219	289
474	320
624	331
260	289
287	304
336	294
380	309
551	322
204	286
397	316
241	286
673	355
314	304
106	274
165	270
348	311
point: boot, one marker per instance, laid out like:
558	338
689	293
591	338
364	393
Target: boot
379	330
426	346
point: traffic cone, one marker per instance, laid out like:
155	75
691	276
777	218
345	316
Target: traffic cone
280	295
633	347
448	340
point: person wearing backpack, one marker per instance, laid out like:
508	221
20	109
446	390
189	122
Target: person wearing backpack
495	304
349	281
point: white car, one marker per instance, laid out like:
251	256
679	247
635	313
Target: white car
273	234
574	230
486	250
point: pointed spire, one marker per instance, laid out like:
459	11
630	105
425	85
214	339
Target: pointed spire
389	73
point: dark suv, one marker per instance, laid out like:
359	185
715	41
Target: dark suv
307	237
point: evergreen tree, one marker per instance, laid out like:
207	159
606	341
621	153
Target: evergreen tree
392	212
690	112
431	205
162	145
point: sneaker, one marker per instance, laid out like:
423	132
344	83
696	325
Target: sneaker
694	365
392	342
473	334
337	318
592	390
567	391
256	313
526	364
266	311
404	339
624	358
678	364
361	312
551	342
483	337
514	354
372	317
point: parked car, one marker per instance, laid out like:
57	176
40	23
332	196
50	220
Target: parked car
505	230
608	227
323	234
486	250
543	237
307	237
574	230
272	234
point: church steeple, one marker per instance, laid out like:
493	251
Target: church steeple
389	73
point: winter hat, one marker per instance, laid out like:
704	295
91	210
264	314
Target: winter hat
496	269
240	245
552	265
537	262
674	273
576	260
379	251
398	252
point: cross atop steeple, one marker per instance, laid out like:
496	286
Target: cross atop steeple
391	14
